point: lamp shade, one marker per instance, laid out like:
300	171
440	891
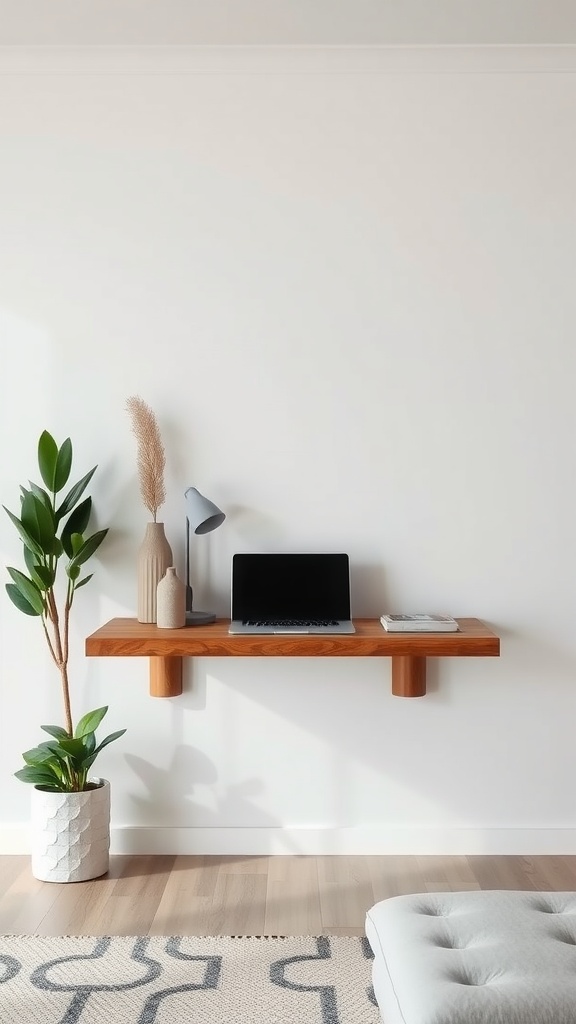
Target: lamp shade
202	514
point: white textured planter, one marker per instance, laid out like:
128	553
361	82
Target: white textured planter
71	834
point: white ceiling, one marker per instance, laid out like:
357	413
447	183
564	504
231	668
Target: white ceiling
289	22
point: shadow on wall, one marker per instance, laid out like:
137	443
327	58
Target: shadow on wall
168	800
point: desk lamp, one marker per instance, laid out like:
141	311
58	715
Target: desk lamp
202	516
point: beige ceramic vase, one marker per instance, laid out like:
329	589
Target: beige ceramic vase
154	557
171	601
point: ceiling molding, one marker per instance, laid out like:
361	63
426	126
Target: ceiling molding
158	60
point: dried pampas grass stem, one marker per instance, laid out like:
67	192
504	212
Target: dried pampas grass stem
151	457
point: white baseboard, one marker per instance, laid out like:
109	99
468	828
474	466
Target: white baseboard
14	839
359	840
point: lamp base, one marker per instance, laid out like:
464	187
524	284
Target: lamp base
199	618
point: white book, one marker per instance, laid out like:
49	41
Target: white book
419	623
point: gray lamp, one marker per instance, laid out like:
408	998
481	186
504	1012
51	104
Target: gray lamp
202	516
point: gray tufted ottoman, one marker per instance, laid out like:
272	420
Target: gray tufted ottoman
475	958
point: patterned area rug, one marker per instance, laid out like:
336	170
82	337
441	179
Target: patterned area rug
210	980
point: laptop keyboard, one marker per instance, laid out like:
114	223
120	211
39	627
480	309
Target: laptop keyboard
298	623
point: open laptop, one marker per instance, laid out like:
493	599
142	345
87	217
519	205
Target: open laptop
289	593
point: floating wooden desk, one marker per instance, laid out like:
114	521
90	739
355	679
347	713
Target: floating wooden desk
127	638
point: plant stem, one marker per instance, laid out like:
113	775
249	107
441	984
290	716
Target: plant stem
67	607
48	640
60	653
66	697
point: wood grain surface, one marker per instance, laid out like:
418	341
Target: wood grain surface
129	638
238	895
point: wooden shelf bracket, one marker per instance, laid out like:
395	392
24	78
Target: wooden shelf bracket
165	677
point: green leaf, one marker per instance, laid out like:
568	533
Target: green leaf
89	742
28	589
27	540
56	731
90	722
57	754
63	465
73	572
37	755
73	748
74	495
48	745
84	581
89	547
77	523
109	739
48	459
42	495
42	776
77	541
46	576
42	575
89	761
19	600
38	521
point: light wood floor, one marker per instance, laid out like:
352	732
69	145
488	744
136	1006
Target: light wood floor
250	895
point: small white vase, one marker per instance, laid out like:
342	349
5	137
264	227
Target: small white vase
154	557
71	834
171	601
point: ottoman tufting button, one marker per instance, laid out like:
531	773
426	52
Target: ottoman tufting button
445	942
459	976
545	908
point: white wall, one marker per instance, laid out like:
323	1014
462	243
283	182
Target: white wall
348	296
299	22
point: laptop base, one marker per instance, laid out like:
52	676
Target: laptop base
239	627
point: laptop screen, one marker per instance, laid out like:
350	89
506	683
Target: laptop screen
287	586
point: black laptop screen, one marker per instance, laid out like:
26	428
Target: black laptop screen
289	586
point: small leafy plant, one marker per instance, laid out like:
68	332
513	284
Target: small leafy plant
61	765
52	532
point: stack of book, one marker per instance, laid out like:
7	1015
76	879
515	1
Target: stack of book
419	623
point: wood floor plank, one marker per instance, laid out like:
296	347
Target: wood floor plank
443	874
186	904
346	892
503	872
228	895
292	897
135	897
395	876
239	905
231	865
10	868
26	903
79	906
556	874
183	915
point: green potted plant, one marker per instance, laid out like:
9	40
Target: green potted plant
70	809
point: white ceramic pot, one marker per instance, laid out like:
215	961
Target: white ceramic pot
71	834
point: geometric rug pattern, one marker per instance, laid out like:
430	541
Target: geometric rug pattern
186	980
